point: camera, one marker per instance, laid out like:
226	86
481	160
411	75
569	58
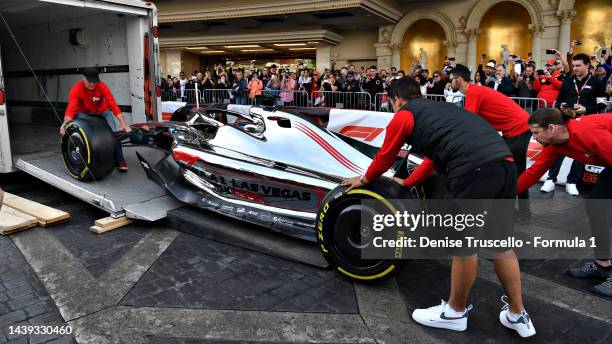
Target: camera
550	51
577	42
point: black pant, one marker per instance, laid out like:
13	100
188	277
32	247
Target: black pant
598	206
518	146
572	177
491	181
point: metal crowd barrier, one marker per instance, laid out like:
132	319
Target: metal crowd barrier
436	97
382	103
342	100
177	95
530	104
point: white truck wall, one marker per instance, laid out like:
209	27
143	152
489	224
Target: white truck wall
136	29
48	47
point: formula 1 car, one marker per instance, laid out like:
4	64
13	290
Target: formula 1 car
275	167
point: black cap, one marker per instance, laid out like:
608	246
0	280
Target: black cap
91	74
273	66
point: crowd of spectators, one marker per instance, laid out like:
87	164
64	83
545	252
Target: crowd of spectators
366	88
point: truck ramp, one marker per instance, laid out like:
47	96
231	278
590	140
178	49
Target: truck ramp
131	194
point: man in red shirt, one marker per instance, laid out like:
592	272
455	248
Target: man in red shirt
588	140
479	167
91	97
504	114
548	84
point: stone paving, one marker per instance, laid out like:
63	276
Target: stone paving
147	283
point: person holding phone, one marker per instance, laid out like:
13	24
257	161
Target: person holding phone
579	93
500	81
548	83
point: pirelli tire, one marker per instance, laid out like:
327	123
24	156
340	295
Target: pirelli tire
341	236
88	149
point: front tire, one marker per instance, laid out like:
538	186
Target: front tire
342	237
88	149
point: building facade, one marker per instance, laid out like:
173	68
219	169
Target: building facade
386	33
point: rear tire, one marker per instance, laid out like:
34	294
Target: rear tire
88	149
341	237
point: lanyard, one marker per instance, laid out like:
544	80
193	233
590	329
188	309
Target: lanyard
578	92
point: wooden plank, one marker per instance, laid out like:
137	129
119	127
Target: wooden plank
12	221
46	215
108	224
111	221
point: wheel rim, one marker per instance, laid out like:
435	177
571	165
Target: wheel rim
74	152
351	237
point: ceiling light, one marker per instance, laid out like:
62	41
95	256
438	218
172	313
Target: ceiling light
255	50
212	51
295	49
196	48
242	46
289	44
312	42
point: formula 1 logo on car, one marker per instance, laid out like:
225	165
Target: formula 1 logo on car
360	132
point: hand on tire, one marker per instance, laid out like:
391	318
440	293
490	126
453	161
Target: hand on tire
400	181
127	128
352	183
62	130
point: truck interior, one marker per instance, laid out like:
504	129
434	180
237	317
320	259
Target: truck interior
54	40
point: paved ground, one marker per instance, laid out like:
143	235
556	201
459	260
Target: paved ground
150	283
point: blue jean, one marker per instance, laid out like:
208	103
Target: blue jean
110	120
241	100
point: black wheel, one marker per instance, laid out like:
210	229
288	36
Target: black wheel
88	149
342	237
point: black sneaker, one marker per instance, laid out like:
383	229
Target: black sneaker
590	269
604	288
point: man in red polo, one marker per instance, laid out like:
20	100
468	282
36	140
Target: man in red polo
91	97
505	115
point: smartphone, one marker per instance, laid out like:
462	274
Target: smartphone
518	68
550	51
604	52
540	72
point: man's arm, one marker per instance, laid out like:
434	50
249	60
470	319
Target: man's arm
545	160
110	100
399	128
420	173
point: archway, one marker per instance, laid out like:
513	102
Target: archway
592	25
505	23
423	34
396	41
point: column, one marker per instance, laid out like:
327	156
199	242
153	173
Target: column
472	36
323	58
566	17
384	55
395	55
536	43
451	47
173	62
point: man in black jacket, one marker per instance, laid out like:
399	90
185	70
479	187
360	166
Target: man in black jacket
479	167
373	84
579	92
500	81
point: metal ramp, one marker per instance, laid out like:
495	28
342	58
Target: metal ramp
131	194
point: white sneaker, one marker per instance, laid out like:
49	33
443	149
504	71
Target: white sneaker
442	316
572	189
523	325
549	186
